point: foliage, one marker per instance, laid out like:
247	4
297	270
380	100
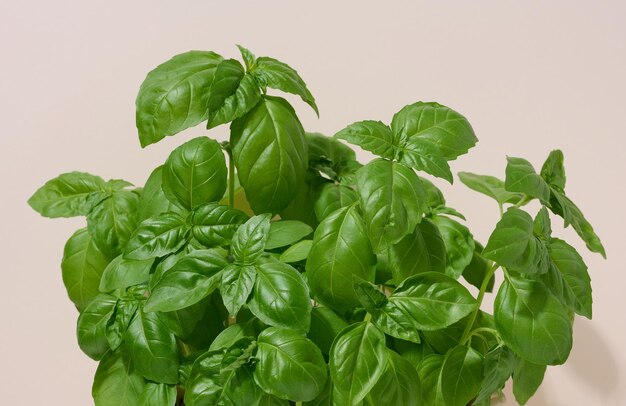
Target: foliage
276	269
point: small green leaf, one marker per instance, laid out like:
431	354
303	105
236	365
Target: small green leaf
236	285
117	382
532	321
158	394
249	240
297	252
553	171
334	197
542	227
278	75
190	280
82	266
245	97
152	201
122	273
281	297
214	224
358	359
112	221
521	177
195	173
158	236
153	347
286	232
125	310
68	195
434	196
290	366
92	325
425	157
226	79
499	365
490	186
526	380
174	95
330	156
370	296
459	244
373	136
248	57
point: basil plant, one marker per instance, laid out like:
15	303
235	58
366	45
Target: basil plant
275	269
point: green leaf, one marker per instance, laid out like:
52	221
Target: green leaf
341	250
158	236
526	380
330	156
302	207
158	394
297	252
278	75
281	297
270	154
269	400
459	245
122	273
571	214
325	326
477	269
214	224
286	232
152	201
290	366
226	79
513	243
452	379
68	195
153	347
92	325
249	240
399	385
568	278
248	57
236	285
370	296
553	171
82	267
542	227
112	221
190	280
438	128
233	333
521	177
358	359
174	95
427	158
427	301
117	382
334	197
490	186
373	136
498	367
392	199
245	97
195	173
125	310
532	321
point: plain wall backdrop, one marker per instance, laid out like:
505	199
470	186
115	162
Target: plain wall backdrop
530	76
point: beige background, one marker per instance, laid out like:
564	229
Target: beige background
529	75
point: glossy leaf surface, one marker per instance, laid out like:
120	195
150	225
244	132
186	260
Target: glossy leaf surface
521	177
117	382
214	224
92	325
158	236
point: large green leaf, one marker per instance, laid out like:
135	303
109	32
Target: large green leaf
249	240
289	366
438	128
490	186
174	95
514	245
68	195
195	173
341	251
270	154
117	382
112	222
459	244
236	286
152	201
392	198
82	266
92	325
325	326
358	358
190	280
498	368
214	224
281	296
153	347
399	385
521	177
158	236
568	278
532	321
122	273
526	380
278	75
334	197
286	232
452	379
373	136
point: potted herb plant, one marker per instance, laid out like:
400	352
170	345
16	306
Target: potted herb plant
275	269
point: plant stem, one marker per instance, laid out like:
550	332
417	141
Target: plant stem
367	317
479	299
231	178
298	403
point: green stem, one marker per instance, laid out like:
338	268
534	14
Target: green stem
231	178
367	317
298	403
479	299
